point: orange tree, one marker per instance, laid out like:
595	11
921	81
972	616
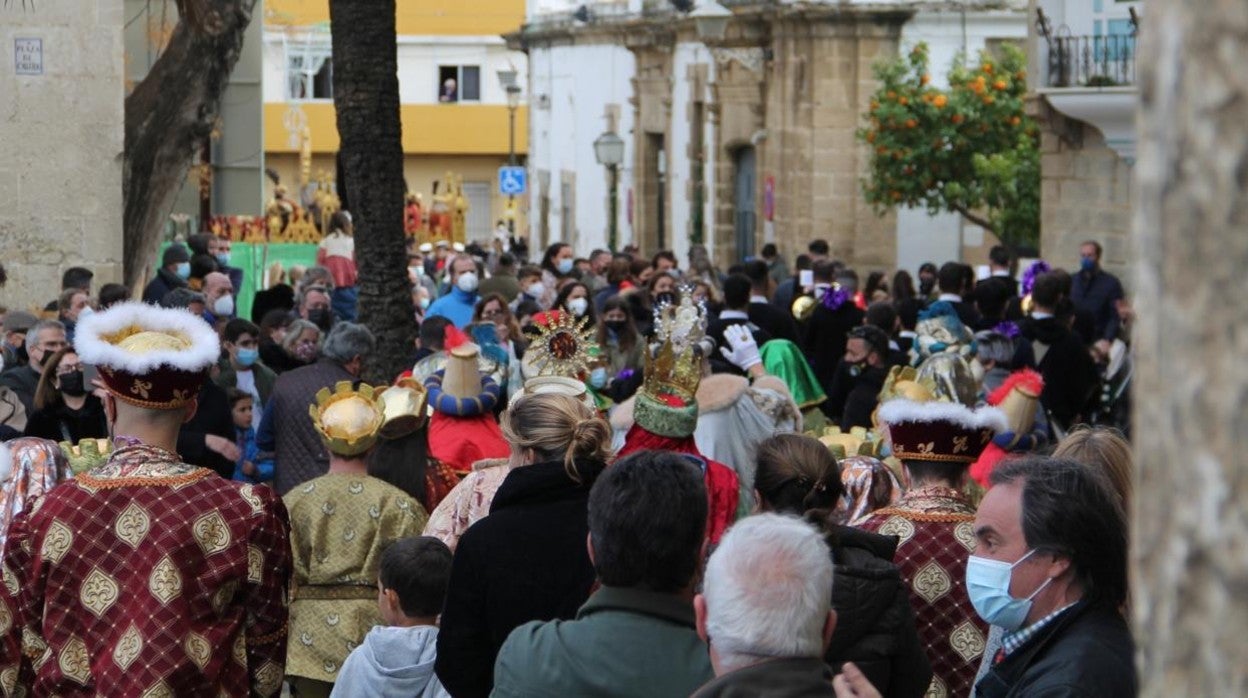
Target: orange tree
969	148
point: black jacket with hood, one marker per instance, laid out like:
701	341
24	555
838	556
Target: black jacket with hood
874	621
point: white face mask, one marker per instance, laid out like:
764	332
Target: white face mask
578	306
224	306
536	289
416	272
467	282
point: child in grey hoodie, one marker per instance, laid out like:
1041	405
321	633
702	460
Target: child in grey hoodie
397	659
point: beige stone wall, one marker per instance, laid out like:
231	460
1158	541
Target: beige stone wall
61	142
1086	194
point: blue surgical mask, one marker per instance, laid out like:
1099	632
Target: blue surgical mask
223	258
988	585
247	357
598	378
184	270
1087	264
565	265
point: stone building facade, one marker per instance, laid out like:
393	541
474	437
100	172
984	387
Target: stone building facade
732	141
61	142
1082	72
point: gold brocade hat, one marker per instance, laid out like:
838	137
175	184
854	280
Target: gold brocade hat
403	408
856	442
562	347
156	358
347	419
86	454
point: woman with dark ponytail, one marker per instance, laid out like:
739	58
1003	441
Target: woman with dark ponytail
526	560
875	625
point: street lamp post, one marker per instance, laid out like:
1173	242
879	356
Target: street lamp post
507	78
609	150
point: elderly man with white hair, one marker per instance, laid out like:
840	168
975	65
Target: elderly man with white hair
766	610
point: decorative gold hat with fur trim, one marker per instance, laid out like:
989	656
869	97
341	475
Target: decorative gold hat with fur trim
941	432
151	357
347	419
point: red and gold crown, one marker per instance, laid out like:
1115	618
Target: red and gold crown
941	432
667	403
157	358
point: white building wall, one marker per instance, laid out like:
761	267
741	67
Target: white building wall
922	237
679	164
572	87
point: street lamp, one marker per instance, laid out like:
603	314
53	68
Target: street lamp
609	150
710	19
507	78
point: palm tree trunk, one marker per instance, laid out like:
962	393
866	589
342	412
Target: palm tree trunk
366	98
1189	539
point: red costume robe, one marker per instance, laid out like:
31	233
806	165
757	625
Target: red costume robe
934	525
147	576
722	484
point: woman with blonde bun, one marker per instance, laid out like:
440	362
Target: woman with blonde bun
526	560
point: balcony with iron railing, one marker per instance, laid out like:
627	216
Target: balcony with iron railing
1092	79
1091	61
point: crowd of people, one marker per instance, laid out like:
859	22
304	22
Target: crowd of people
601	475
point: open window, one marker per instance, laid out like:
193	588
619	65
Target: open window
459	83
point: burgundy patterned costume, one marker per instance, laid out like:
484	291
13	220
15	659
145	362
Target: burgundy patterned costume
934	525
146	577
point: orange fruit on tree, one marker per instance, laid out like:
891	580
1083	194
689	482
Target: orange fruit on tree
1015	120
925	79
957	118
1000	85
987	68
903	101
911	123
939	101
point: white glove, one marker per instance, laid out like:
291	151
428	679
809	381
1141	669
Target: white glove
742	350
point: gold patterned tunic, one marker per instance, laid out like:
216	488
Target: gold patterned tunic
146	577
339	526
934	525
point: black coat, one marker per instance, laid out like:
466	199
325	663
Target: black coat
852	399
824	337
715	330
874	621
213	416
56	422
1068	371
778	323
1085	652
164	282
525	561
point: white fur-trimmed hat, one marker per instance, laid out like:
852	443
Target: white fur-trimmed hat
147	356
939	431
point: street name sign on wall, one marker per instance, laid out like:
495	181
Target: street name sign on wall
28	56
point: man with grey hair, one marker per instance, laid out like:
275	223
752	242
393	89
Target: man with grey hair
43	339
300	453
766	610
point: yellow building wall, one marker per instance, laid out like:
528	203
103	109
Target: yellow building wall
436	17
442	129
420	171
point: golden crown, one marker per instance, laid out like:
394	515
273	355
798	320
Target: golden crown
563	346
347	419
676	368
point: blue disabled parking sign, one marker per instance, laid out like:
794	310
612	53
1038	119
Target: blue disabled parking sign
511	181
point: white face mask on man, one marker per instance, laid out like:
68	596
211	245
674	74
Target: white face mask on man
467	282
223	306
